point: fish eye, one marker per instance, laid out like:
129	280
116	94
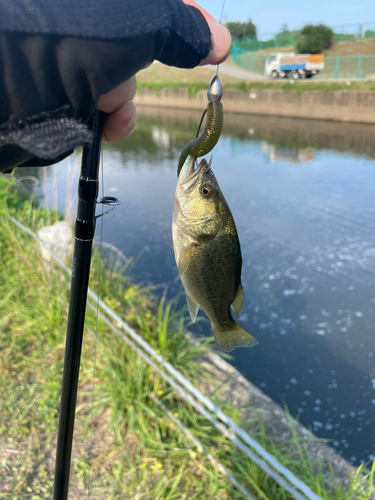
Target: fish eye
206	191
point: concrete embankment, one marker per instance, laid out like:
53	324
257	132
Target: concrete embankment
258	410
357	106
355	138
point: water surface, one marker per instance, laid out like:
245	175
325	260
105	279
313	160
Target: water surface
302	195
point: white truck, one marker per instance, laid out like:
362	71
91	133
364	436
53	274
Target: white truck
290	65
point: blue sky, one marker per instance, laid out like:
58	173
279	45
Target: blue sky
270	15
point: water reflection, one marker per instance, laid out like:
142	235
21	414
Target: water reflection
285	153
308	247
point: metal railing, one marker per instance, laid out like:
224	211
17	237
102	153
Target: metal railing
336	67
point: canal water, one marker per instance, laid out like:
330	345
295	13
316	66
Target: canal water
302	194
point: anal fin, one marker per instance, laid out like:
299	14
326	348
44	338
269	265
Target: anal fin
238	302
193	307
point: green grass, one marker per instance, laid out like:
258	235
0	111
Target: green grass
136	451
344	48
285	85
303	86
159	72
158	77
192	87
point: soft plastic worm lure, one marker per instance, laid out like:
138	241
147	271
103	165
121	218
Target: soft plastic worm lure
209	136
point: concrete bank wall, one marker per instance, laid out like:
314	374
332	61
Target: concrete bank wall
344	105
255	408
356	138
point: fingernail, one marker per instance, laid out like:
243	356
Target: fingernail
133	121
221	39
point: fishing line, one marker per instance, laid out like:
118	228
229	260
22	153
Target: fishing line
217	74
200	123
222	11
99	281
221	19
97	319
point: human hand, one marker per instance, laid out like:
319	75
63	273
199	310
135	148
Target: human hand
220	38
118	103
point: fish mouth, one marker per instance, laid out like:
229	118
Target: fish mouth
191	172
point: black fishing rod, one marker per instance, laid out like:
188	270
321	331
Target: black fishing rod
84	235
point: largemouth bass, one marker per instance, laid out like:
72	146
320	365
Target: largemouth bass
208	253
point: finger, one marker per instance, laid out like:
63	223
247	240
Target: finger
118	96
207	16
221	41
220	38
120	123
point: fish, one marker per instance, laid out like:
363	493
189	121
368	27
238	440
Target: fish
208	253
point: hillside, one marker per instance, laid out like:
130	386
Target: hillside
346	48
158	73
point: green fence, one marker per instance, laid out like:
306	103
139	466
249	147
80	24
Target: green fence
290	38
252	61
346	67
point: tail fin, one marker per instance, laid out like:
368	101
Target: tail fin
234	337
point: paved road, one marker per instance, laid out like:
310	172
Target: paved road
230	69
237	72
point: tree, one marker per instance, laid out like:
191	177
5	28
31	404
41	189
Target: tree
241	30
314	39
284	37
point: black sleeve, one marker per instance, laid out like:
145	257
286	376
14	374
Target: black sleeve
57	58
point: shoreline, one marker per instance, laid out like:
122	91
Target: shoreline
353	106
225	383
290	132
279	426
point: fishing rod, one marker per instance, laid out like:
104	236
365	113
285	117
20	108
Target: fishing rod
84	235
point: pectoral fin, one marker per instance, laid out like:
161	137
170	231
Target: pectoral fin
193	307
185	259
238	302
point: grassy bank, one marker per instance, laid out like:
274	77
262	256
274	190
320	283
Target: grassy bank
159	72
159	76
129	448
286	86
